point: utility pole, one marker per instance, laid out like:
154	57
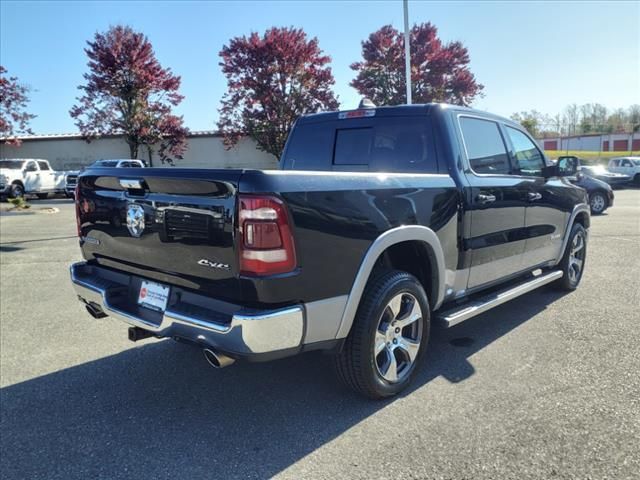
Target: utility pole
407	50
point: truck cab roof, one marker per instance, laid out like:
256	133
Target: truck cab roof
397	111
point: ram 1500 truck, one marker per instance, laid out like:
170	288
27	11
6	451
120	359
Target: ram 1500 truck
380	222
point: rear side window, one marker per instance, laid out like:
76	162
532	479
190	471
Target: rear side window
528	158
43	166
614	163
485	147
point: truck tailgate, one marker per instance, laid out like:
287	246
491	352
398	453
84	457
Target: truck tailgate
172	225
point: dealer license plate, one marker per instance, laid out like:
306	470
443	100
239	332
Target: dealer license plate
153	295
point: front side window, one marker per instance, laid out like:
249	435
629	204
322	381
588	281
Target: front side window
528	158
626	163
43	166
485	147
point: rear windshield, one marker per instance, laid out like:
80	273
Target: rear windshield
392	144
12	164
106	163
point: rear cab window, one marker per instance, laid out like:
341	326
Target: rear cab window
378	144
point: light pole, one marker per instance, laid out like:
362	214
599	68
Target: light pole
407	50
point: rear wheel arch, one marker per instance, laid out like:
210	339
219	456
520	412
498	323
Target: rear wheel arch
389	249
415	257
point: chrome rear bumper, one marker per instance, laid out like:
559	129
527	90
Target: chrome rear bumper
224	326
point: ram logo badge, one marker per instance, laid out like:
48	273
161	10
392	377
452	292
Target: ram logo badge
135	220
208	263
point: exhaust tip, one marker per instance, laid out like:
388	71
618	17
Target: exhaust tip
217	360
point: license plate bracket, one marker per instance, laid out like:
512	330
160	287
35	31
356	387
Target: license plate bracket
153	295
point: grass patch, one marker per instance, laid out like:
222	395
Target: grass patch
19	203
590	157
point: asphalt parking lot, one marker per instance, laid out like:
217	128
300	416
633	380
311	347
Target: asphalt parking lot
547	386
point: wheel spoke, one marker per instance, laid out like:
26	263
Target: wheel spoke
414	314
391	373
395	305
410	347
578	244
380	343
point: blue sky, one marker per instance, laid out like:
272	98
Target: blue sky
540	55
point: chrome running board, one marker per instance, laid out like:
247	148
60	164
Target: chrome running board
476	306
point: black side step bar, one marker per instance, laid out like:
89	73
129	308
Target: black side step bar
460	313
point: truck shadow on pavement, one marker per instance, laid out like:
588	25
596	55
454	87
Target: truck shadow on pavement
159	411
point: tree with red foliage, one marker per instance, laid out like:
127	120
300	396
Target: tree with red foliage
128	92
439	72
272	79
14	120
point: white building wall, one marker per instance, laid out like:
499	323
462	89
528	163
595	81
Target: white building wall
204	151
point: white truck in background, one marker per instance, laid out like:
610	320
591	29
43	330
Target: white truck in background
24	176
628	166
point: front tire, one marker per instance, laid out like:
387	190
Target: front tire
598	203
388	338
573	260
16	191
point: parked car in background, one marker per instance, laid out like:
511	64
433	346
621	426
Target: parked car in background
22	176
71	179
598	172
601	173
600	193
627	165
383	221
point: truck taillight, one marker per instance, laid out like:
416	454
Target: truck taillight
76	200
265	240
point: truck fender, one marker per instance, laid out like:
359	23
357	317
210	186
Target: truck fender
581	208
377	248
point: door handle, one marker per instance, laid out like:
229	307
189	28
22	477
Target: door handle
482	198
533	196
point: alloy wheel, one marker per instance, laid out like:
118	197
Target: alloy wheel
576	257
398	337
597	203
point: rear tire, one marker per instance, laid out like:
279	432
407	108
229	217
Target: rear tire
388	338
573	260
598	203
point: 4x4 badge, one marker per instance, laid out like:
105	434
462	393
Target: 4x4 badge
208	263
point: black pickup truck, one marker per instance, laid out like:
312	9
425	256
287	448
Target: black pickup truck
380	222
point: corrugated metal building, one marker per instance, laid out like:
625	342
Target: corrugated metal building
205	150
613	142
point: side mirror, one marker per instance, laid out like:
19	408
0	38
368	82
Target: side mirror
567	167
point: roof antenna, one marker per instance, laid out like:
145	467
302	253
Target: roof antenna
366	103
